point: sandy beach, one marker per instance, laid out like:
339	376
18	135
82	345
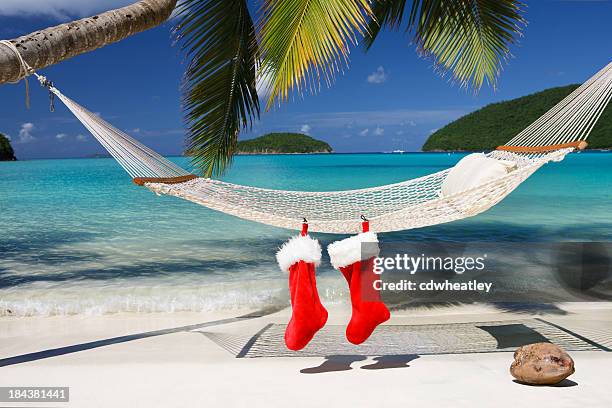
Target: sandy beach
190	366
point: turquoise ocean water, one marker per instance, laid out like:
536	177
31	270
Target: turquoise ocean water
76	236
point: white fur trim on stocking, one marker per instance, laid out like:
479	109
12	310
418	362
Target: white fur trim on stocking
300	248
348	251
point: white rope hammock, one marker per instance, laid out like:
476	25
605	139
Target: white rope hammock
410	204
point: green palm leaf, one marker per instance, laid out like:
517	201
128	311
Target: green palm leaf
304	42
219	90
385	13
469	38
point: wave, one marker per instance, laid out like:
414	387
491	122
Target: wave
79	300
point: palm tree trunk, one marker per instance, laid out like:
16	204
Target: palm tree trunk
55	44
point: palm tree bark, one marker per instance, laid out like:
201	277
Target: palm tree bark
55	44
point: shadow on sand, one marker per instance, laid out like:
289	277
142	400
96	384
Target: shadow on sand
563	384
334	363
39	355
393	361
343	363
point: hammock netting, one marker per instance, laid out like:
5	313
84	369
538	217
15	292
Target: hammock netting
410	204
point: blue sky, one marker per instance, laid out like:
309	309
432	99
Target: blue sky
387	99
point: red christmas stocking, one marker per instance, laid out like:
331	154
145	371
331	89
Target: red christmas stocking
356	264
299	256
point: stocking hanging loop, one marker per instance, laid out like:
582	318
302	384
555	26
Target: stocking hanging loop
304	227
365	225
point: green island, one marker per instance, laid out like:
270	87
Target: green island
283	143
495	124
6	150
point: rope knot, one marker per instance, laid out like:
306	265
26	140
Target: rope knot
24	69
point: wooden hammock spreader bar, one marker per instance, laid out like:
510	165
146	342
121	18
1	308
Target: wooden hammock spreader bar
163	180
578	144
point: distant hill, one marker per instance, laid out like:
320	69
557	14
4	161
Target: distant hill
278	143
495	124
6	150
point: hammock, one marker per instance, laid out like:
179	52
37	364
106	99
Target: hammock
410	204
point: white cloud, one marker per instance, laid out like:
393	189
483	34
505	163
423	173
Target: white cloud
371	119
81	138
378	77
58	9
25	133
379	131
399	132
305	128
154	133
363	123
60	136
433	130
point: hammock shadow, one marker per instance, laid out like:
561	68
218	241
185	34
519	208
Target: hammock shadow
74	348
507	307
513	335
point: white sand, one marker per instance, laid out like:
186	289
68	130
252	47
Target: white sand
186	369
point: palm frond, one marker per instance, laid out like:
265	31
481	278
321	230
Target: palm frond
385	13
219	89
470	39
306	41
